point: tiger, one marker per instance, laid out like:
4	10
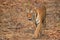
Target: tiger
37	18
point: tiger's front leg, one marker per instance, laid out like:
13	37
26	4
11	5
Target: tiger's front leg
38	29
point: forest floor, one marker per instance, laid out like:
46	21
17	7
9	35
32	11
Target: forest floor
14	24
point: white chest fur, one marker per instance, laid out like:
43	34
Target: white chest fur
37	19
